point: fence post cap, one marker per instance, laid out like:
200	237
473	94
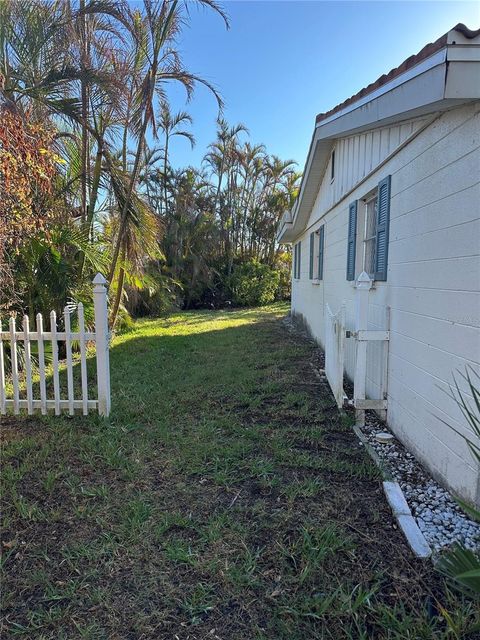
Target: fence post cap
99	279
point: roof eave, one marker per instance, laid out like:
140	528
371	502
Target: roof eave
437	83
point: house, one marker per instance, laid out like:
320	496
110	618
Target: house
392	187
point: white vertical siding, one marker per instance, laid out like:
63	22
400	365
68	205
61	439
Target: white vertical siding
356	156
433	276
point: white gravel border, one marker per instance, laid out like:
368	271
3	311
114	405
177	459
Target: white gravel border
437	514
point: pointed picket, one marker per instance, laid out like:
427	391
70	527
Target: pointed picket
41	365
28	364
14	364
83	358
3	404
56	378
68	348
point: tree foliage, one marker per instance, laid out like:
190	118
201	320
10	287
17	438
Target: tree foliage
28	166
84	89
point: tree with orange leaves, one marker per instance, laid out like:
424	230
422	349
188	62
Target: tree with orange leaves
27	169
28	166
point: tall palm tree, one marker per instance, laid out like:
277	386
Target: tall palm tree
171	125
157	30
140	234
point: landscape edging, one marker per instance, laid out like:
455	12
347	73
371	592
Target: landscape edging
398	504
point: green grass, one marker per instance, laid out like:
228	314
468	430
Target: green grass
224	498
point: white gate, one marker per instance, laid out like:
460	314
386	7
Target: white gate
26	336
335	351
363	336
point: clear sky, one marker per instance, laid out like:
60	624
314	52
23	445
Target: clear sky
282	62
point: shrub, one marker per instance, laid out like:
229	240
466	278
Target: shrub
253	283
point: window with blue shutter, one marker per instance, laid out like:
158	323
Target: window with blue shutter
382	232
312	254
297	256
321	244
352	240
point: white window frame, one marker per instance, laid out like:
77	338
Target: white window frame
316	256
297	256
371	226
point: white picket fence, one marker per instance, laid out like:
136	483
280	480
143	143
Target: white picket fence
25	336
335	351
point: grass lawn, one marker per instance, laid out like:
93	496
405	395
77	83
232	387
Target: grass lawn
224	499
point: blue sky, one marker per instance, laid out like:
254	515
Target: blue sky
282	62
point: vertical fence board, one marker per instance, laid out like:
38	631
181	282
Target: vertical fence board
83	358
386	352
102	339
68	347
41	365
363	286
335	351
28	364
56	378
14	363
3	408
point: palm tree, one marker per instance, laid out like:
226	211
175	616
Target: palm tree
171	124
140	233
223	159
150	176
157	31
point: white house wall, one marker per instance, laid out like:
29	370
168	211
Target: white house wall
433	276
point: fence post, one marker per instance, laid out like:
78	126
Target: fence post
102	344
363	286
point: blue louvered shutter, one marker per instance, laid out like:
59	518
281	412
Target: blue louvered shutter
299	260
294	261
321	244
383	224
312	253
352	240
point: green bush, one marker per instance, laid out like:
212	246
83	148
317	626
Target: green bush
253	283
283	265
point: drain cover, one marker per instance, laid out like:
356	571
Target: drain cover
384	437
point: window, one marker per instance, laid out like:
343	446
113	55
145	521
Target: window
332	166
297	259
316	253
368	232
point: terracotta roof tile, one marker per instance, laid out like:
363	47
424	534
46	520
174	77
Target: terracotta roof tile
426	52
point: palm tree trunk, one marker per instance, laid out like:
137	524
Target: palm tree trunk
118	297
133	179
125	137
165	168
84	116
97	170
